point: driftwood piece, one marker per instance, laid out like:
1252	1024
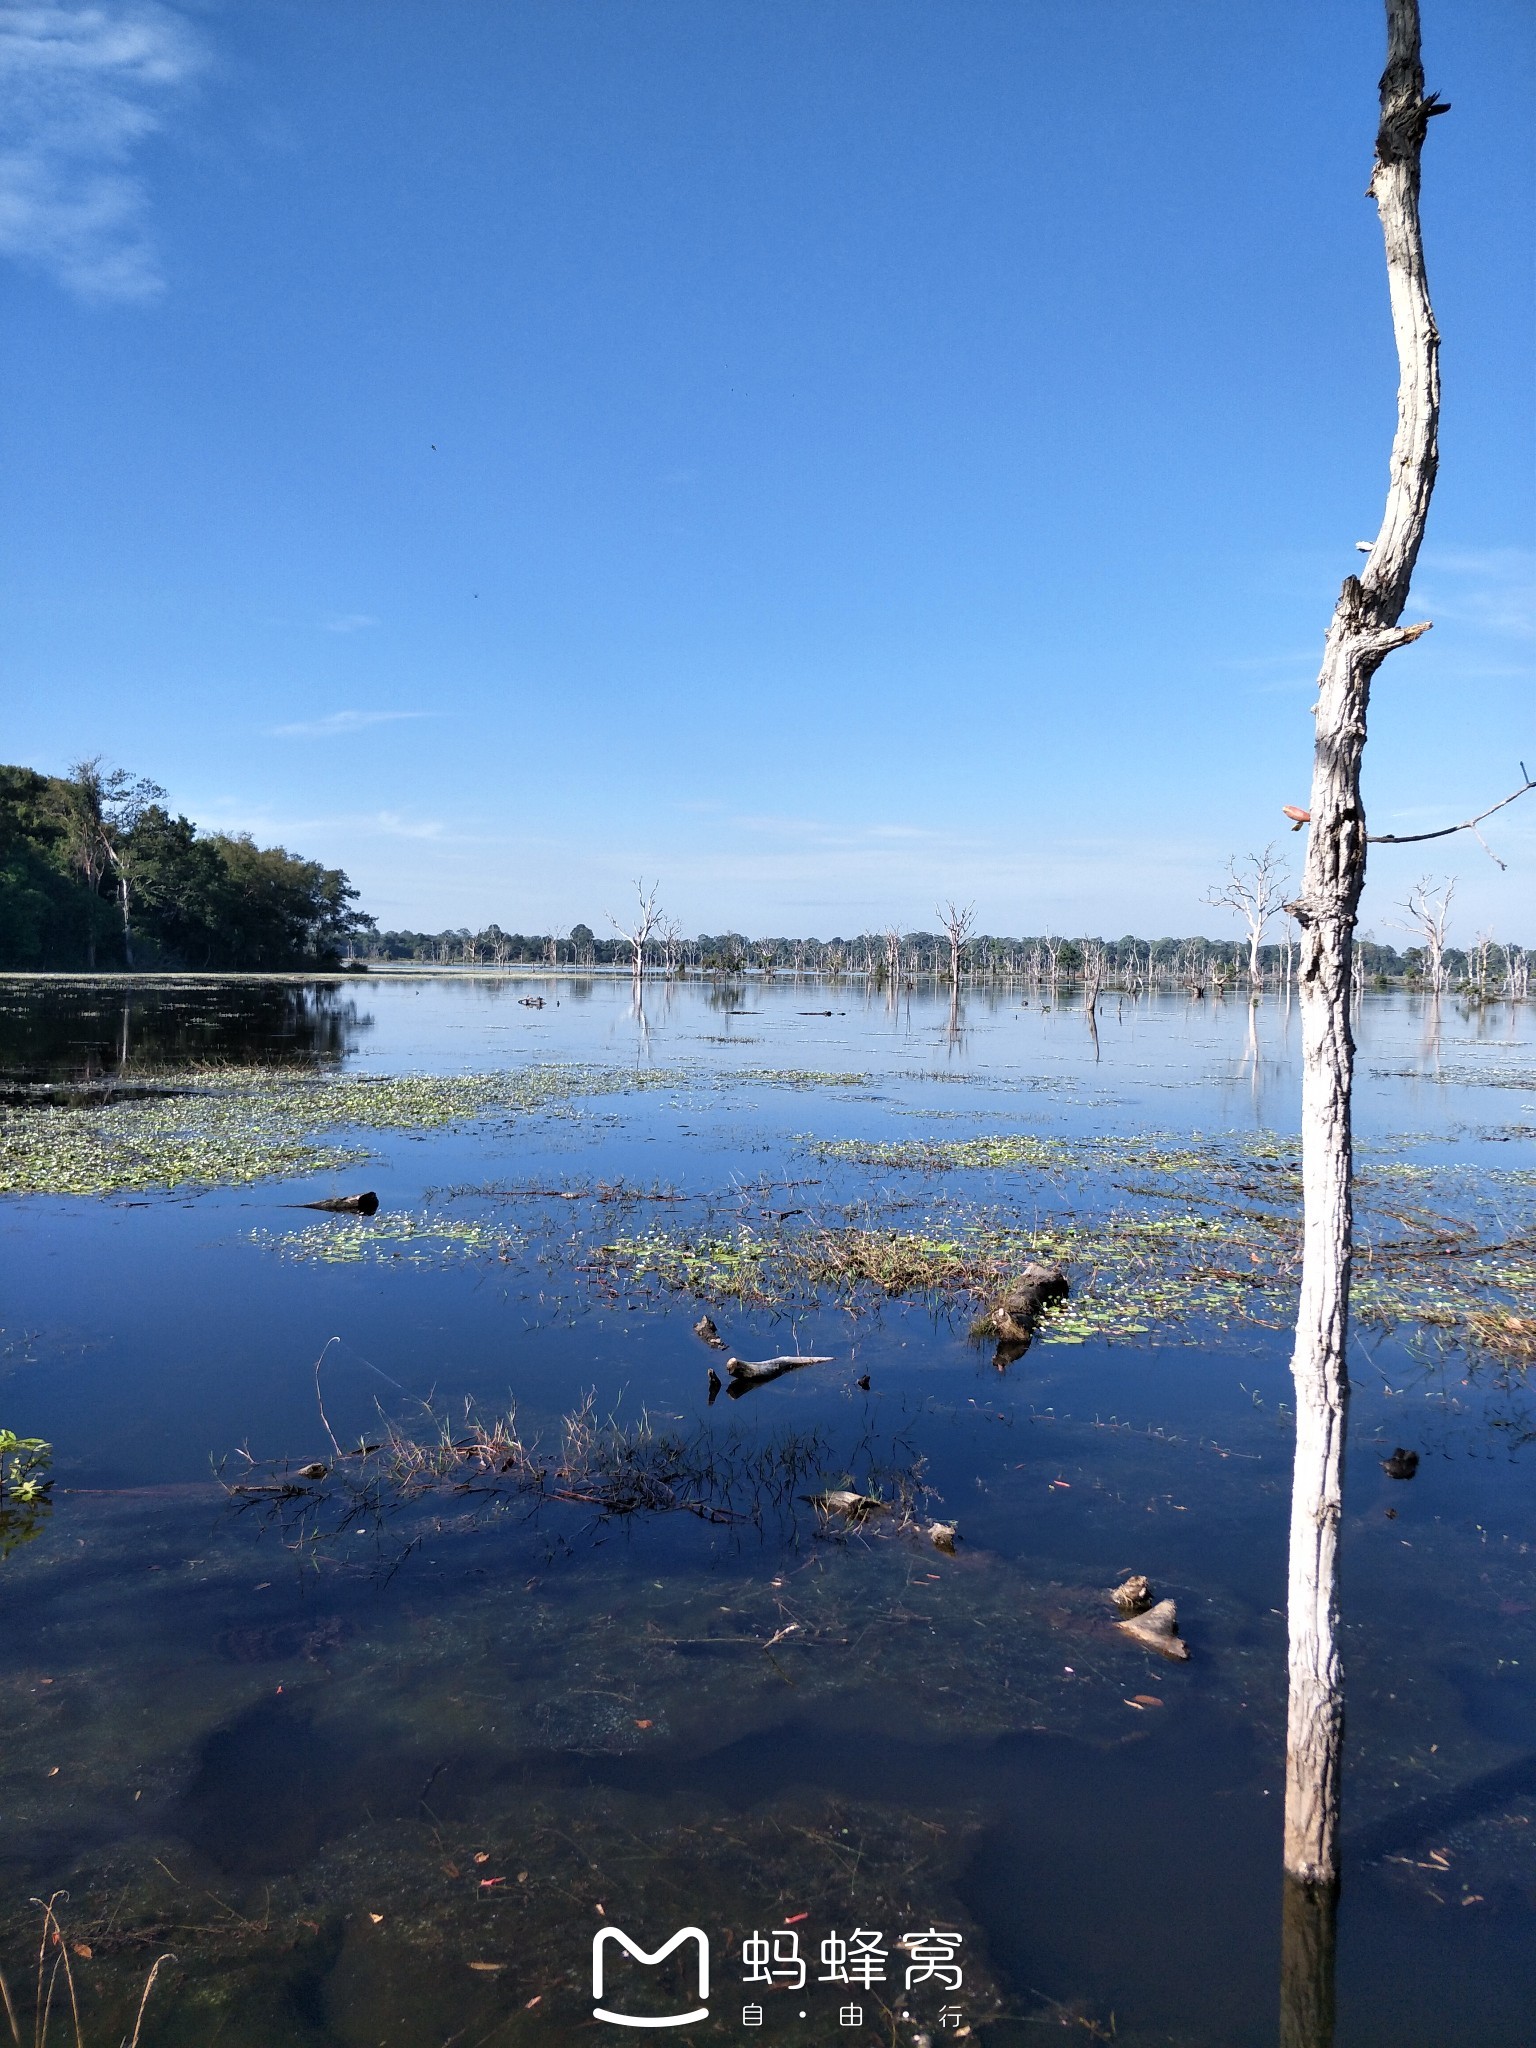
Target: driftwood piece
842	1500
746	1373
942	1536
705	1329
1157	1629
1134	1596
347	1205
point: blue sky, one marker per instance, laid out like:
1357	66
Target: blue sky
828	455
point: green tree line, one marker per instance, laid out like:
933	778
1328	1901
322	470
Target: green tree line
1155	963
96	872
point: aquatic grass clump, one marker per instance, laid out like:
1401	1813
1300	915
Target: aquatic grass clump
618	1468
897	1262
1509	1336
54	1966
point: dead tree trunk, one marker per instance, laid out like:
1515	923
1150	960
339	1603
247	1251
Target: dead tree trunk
1363	632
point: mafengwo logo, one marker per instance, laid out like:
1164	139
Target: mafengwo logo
620	1939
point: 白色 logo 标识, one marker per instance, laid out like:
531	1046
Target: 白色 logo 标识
650	1958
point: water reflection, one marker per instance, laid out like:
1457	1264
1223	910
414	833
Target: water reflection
82	1032
1308	1946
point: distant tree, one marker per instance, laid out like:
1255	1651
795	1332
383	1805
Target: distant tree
1428	911
958	925
1255	889
101	809
287	911
646	923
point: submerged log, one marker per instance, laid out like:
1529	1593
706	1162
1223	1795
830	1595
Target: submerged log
347	1205
1401	1465
705	1329
1036	1288
1157	1629
942	1536
715	1384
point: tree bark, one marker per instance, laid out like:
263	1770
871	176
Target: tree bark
1363	632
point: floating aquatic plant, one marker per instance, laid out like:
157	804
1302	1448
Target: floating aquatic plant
418	1240
241	1125
25	1488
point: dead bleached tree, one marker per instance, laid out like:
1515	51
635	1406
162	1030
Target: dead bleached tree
1365	629
104	806
647	922
1428	912
1256	890
958	924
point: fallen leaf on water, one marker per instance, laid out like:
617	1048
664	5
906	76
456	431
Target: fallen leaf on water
376	1918
487	1966
533	2001
54	1772
522	1877
1472	1899
790	1919
1147	1699
83	1948
645	1724
482	1855
487	1882
450	1870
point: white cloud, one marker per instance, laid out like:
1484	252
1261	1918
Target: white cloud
350	622
336	724
81	88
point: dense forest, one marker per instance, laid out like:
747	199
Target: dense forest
95	872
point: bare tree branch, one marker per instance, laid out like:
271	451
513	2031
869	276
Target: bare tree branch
1466	825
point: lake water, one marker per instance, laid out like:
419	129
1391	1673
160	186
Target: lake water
375	1754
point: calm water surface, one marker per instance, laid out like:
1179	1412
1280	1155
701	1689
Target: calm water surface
376	1768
